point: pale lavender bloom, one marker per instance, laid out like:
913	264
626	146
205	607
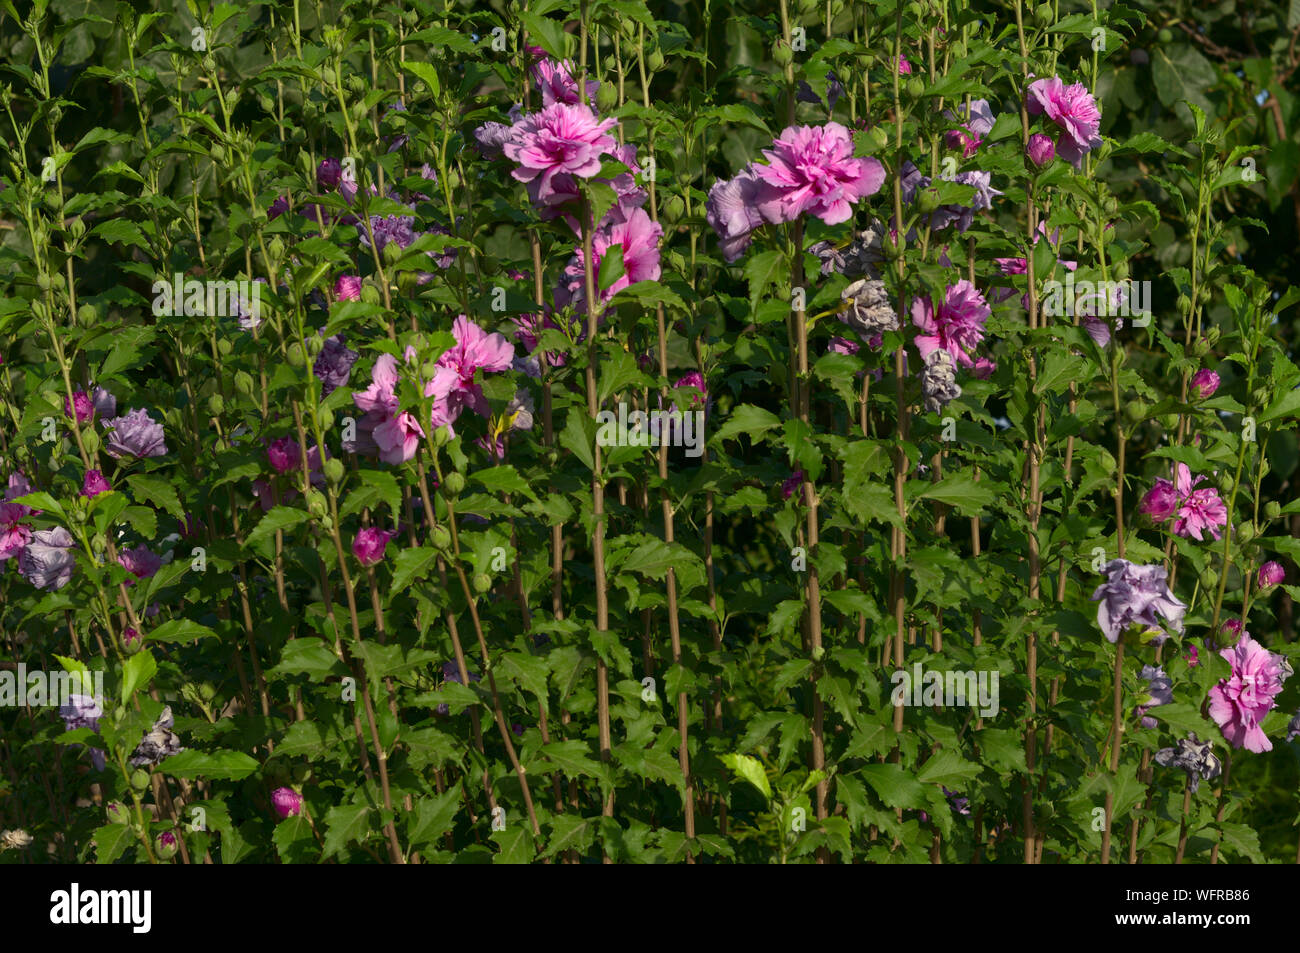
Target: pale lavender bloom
47	561
491	138
159	742
82	711
1135	594
105	403
868	308
939	380
834	91
399	229
1293	729
963	216
1160	691
134	435
1193	757
732	211
960	804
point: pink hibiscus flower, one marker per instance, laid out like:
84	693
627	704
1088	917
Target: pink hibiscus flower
1239	703
453	387
813	169
562	139
956	326
1074	110
1200	510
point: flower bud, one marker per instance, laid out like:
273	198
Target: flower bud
87	315
655	61
287	802
1209	578
165	845
275	248
606	97
139	779
1043	14
334	470
441	537
673	209
928	200
224	347
116	813
782	54
316	503
482	582
1272	509
297	357
453	485
915	87
243	382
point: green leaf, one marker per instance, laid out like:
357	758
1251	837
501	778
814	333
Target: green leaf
279	518
961	491
344	823
946	767
308	657
895	787
110	841
293	840
433	817
220	765
516	845
747	419
749	769
180	630
138	671
411	564
611	268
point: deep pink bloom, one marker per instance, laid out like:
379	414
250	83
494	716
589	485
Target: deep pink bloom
1231	627
14	536
791	483
904	67
139	562
453	387
287	802
1239	703
327	174
956	326
983	368
1270	574
557	85
130	637
369	545
1041	150
1160	502
841	345
813	169
1198	510
93	484
284	454
695	381
381	395
348	288
398	438
1204	383
977	125
82	404
1192	657
1073	109
562	139
636	234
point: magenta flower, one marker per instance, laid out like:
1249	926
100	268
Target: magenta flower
694	380
1270	574
328	173
1198	510
813	169
287	802
333	365
1041	150
81	403
841	345
1232	627
284	454
984	368
636	234
1239	703
398	437
14	536
956	325
562	139
973	130
453	387
1204	383
1071	108
904	67
134	435
131	638
139	562
791	483
94	484
557	85
1192	657
1135	594
732	211
369	545
348	288
1160	502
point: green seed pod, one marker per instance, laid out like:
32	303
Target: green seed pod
243	382
1272	509
369	293
673	210
87	315
328	76
140	779
441	536
1246	531
453	485
1043	14
297	357
216	405
482	582
43	281
1209	578
315	343
915	87
655	61
224	347
879	137
606	97
334	470
1135	411
1184	305
1165	35
928	200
